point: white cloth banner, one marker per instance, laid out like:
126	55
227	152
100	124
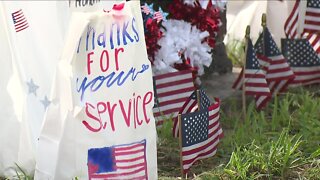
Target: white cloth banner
241	13
32	35
100	123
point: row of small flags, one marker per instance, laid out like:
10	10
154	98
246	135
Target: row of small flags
311	23
195	117
267	72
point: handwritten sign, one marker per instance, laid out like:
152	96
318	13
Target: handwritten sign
110	125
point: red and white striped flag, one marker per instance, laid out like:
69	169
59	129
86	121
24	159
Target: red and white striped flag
19	21
278	72
291	24
254	78
314	40
303	60
200	135
127	161
171	92
312	17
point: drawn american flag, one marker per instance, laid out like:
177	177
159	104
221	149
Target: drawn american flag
303	60
171	91
200	133
291	28
278	71
19	21
126	161
312	17
191	105
254	78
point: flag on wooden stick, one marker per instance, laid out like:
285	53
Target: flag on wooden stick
278	71
254	78
200	133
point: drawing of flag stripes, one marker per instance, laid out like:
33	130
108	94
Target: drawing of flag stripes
127	161
171	92
19	21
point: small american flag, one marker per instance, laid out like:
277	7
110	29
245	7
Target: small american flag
146	9
312	17
254	78
171	91
19	21
191	105
303	60
126	161
278	71
158	16
200	133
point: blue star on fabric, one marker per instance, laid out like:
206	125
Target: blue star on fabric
45	102
32	87
164	14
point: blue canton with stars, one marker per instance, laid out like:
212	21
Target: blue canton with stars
299	53
251	61
268	43
313	4
194	127
204	99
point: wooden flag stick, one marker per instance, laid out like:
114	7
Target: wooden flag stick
244	106
180	144
264	26
198	100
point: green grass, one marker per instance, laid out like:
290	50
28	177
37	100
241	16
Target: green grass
235	50
281	142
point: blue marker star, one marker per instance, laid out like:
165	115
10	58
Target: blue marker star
151	8
32	87
164	14
45	102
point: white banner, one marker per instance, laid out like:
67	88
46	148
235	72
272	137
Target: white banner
32	36
100	123
241	13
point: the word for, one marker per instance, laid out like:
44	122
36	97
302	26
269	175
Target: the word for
102	115
104	60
